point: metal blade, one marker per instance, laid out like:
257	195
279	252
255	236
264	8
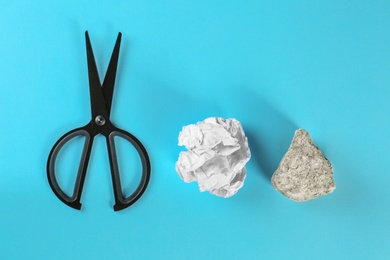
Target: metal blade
98	106
109	79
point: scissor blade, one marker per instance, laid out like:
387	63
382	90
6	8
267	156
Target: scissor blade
109	79
98	106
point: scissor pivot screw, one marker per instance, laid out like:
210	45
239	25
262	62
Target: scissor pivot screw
99	120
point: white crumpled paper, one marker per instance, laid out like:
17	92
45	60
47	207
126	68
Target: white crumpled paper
217	153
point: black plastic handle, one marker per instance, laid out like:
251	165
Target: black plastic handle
120	201
74	200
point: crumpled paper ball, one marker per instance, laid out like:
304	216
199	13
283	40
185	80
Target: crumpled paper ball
217	153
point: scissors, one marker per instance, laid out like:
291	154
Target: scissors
101	100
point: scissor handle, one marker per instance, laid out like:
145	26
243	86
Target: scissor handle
120	201
73	200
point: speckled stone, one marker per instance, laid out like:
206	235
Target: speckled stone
304	172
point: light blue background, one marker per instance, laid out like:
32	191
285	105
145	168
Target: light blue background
274	65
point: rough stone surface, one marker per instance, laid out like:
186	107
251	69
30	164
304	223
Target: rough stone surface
304	173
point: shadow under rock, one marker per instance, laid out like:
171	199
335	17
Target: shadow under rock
269	133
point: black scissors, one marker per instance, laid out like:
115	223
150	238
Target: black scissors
101	99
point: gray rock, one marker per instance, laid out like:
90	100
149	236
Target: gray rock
304	173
